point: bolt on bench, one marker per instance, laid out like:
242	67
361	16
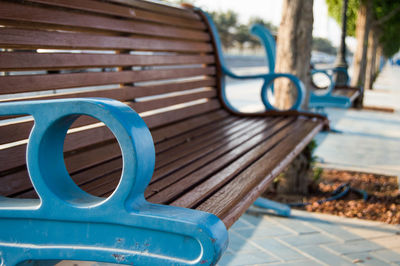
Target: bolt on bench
157	185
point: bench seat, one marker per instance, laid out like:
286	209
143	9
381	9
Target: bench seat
203	162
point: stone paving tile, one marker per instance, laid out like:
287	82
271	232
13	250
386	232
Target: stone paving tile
241	223
388	242
392	256
244	258
238	244
309	239
354	247
365	259
294	224
279	249
335	231
263	231
295	263
371	231
324	255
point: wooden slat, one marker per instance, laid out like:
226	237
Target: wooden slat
238	147
10	61
179	168
15	183
75	21
156	7
231	194
121	11
29	83
172	100
250	197
206	140
35	39
167	117
109	189
230	166
175	129
15	156
20	131
350	92
18	182
188	136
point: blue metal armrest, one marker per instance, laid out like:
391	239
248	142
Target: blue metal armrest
327	98
267	77
330	71
68	223
331	86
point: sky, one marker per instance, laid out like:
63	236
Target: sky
271	10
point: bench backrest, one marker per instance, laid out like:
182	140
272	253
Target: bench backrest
158	59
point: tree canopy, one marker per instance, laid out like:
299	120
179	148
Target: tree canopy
335	11
386	19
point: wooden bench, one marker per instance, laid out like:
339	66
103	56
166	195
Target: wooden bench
330	96
198	163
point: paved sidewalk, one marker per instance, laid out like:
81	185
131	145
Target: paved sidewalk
310	239
366	140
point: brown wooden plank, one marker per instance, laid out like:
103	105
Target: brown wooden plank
122	11
35	39
177	128
35	61
87	175
75	21
350	92
189	163
187	148
29	83
159	8
188	136
98	186
15	183
19	131
231	194
248	131
171	100
226	168
15	156
167	117
250	197
239	147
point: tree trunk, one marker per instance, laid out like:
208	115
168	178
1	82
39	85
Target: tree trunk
293	56
294	50
373	39
364	17
378	59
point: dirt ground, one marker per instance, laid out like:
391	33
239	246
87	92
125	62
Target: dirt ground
382	204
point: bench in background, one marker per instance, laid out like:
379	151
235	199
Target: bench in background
330	96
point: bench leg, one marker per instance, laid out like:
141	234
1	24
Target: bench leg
278	208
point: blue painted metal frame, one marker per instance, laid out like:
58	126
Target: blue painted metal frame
267	77
68	223
327	98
